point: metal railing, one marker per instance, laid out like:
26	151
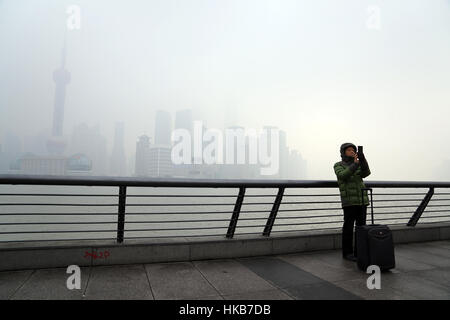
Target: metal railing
127	217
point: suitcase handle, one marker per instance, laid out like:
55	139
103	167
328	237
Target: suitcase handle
377	234
371	201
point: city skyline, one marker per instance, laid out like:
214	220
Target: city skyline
89	141
316	70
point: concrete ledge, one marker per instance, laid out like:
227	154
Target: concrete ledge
51	254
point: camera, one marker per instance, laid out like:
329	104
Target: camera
360	152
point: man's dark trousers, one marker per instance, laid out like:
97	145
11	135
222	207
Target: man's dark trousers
352	214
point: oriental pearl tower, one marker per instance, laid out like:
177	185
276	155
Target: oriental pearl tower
56	144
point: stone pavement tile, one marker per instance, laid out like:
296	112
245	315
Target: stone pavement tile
279	273
121	282
321	269
422	256
415	285
441	243
230	277
440	276
10	281
403	264
321	291
295	281
359	287
260	295
430	248
51	284
334	257
178	280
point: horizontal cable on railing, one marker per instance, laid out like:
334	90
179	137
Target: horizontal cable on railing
59	214
388	213
399	194
309	209
52	223
175	236
402	206
306	217
410	212
427	217
58	231
308	202
61	204
71	239
173	221
291	224
307	223
198	196
402	224
173	229
59	194
294	230
438	205
311	195
176	204
178	212
385	200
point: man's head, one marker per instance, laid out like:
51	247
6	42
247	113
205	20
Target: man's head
350	151
347	151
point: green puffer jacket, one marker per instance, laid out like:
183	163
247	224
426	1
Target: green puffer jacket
349	176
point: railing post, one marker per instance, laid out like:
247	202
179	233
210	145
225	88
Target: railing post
121	213
421	208
236	211
273	212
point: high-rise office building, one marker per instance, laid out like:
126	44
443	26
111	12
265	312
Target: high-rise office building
118	159
283	156
183	120
142	161
12	150
163	128
160	162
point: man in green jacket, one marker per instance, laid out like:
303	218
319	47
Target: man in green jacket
350	172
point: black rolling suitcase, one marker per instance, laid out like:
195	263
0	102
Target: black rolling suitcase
374	244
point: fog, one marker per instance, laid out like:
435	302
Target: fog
326	72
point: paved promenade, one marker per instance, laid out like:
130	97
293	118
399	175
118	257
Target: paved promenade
422	272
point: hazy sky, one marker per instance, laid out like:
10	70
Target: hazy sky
313	68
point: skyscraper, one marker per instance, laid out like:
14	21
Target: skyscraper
283	156
118	160
163	128
160	163
56	143
183	119
142	156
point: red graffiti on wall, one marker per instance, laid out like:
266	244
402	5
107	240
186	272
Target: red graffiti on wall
97	255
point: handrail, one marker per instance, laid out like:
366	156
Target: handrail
199	183
125	214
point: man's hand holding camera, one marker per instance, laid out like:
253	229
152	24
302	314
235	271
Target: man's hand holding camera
355	157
